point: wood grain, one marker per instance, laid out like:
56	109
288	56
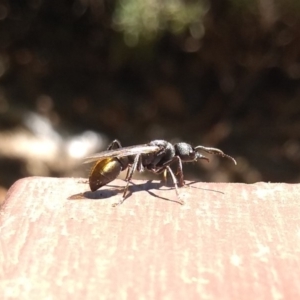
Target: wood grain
229	241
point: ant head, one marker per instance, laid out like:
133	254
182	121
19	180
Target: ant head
187	153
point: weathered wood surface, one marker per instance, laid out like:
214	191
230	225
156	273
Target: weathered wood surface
243	244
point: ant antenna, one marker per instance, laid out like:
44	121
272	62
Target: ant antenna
215	151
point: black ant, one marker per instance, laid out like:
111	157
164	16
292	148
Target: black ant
156	156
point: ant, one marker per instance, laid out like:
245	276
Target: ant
156	157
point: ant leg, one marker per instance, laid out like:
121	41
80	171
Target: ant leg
159	171
165	175
215	151
175	184
115	144
179	171
179	168
166	167
129	175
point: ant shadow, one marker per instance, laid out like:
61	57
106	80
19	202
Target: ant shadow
147	186
97	195
199	188
105	193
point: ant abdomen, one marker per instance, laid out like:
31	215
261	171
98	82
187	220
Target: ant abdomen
103	172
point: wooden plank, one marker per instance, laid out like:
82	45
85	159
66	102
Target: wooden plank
229	241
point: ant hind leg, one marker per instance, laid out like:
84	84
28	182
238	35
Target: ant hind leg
115	144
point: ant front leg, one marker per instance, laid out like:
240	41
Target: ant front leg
168	169
165	167
179	171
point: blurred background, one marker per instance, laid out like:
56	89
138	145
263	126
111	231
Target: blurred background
76	74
